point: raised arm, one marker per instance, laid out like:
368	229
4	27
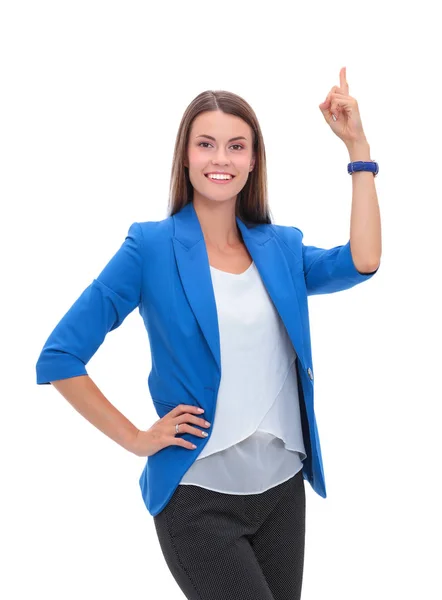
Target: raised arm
331	270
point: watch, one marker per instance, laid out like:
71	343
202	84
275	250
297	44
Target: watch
361	165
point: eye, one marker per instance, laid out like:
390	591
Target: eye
237	145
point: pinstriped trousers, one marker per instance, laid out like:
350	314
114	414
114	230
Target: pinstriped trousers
235	547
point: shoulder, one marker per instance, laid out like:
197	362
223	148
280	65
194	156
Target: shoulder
285	232
290	235
153	231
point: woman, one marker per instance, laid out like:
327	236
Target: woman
223	295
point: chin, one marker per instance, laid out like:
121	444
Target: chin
218	200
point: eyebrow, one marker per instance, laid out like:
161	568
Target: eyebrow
240	137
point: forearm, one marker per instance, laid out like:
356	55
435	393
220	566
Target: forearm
91	403
365	221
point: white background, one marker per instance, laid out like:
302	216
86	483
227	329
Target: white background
92	94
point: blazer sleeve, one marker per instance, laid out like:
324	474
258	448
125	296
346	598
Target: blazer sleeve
330	270
100	308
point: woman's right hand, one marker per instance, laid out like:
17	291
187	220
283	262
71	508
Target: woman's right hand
162	433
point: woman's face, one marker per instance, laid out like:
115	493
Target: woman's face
222	153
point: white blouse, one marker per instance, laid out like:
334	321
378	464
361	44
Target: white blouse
256	440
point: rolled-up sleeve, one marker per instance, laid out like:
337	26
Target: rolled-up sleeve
330	270
100	308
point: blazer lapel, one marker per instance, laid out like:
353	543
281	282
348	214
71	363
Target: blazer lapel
194	269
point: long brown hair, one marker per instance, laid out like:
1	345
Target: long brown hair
252	202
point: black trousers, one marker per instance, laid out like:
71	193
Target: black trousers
235	547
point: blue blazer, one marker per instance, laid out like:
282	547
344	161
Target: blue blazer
162	268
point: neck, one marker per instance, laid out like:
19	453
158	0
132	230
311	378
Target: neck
218	223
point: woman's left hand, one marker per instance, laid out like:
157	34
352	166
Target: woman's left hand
348	124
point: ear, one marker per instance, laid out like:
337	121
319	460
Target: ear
252	164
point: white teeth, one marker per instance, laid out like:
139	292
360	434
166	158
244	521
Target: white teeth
217	176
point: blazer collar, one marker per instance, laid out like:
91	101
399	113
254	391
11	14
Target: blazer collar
194	269
188	229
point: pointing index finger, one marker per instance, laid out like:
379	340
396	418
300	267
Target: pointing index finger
343	80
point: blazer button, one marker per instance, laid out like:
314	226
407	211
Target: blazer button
310	374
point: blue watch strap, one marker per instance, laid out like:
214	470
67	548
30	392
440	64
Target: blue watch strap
361	165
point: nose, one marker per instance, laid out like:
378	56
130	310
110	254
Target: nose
220	158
